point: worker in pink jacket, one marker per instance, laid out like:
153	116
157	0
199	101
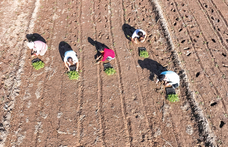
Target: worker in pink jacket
106	55
37	48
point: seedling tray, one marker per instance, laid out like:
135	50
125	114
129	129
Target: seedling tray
141	49
37	63
170	90
72	68
35	60
107	65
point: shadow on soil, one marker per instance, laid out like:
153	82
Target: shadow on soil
35	37
153	66
98	45
128	31
63	48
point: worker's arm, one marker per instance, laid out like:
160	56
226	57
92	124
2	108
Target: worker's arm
100	60
77	65
145	37
65	63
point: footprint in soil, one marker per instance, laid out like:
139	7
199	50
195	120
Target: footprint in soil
205	5
213	40
182	41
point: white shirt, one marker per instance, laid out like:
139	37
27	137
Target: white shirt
171	77
71	54
135	34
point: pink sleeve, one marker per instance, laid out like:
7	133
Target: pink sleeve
104	58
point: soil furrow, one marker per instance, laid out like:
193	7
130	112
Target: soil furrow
202	63
135	115
151	45
96	19
143	79
219	13
194	106
44	108
110	106
119	16
28	19
81	89
50	84
214	27
148	134
67	129
91	133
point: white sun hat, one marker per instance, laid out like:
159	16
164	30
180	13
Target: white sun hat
30	45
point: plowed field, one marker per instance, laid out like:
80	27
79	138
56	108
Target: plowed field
44	108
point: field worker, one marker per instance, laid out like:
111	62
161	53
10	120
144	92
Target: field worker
71	60
138	36
37	48
106	55
170	78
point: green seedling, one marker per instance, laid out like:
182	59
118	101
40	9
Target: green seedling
110	71
173	98
144	54
73	75
38	65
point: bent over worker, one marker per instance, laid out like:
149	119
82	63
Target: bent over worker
37	48
138	36
71	60
170	78
106	55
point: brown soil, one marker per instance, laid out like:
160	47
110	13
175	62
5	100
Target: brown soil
45	108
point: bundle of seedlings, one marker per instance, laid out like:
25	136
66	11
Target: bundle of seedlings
142	52
73	75
37	63
110	71
173	98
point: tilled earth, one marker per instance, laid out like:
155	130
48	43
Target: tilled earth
45	108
